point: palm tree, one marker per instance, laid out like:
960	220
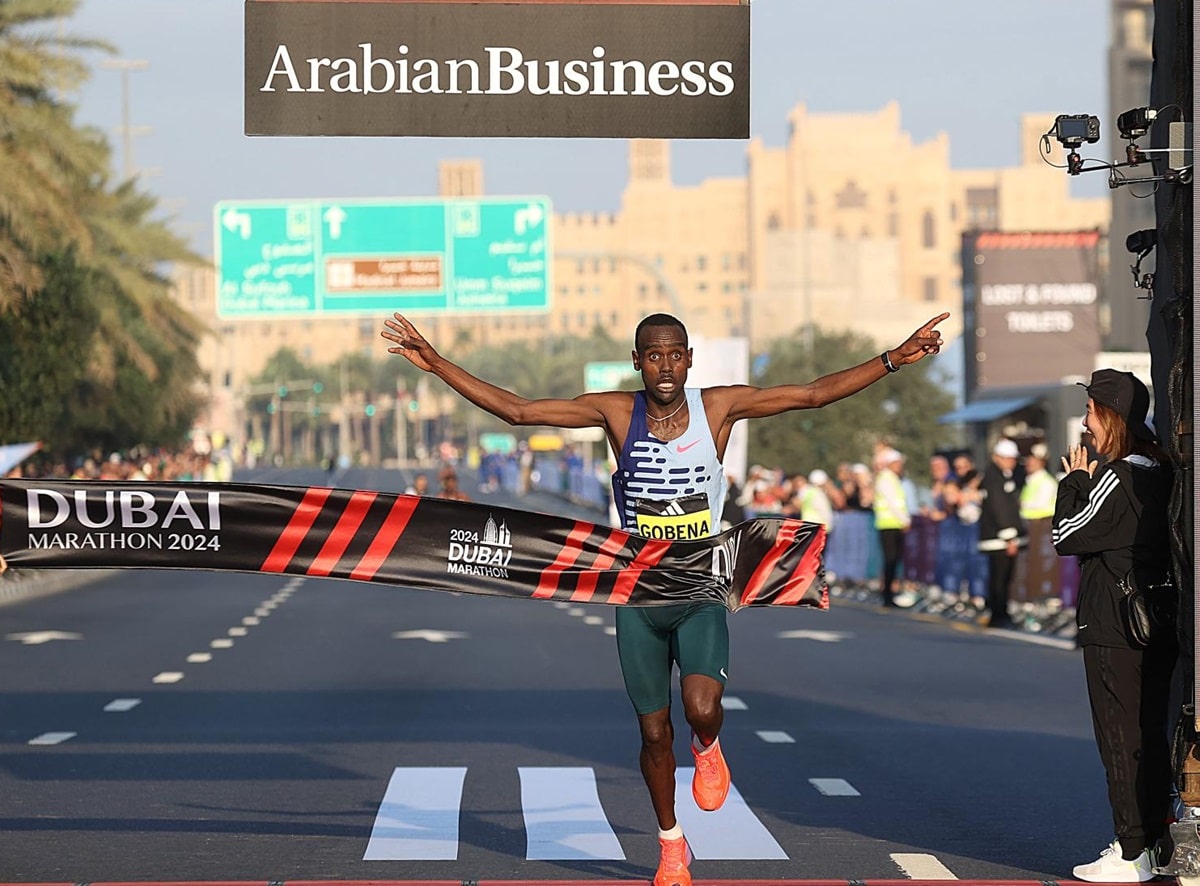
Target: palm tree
131	249
56	198
45	159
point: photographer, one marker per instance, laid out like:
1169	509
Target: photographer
1115	519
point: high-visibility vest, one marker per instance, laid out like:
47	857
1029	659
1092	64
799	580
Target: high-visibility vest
815	506
1038	495
891	508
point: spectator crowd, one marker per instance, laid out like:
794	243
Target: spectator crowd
973	539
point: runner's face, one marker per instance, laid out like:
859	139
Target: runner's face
663	358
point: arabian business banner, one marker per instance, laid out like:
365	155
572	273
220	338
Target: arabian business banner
530	70
402	540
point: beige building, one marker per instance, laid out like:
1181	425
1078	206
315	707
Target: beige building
864	236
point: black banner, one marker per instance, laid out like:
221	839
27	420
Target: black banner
596	70
1036	303
402	540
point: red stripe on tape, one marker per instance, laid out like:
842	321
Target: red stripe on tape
803	575
303	518
586	586
348	524
567	555
783	537
385	539
652	551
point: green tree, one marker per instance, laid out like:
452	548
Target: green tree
46	161
132	371
134	250
45	344
902	408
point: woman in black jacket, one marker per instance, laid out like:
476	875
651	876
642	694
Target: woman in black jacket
1115	518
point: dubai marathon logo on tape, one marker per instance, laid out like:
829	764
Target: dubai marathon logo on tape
486	553
123	520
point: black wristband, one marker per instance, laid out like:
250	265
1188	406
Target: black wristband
887	362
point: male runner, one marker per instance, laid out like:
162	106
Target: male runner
670	441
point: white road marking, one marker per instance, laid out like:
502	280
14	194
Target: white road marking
918	866
576	611
120	705
561	604
221	644
819	636
249	621
611	631
418	818
419	815
564	820
733	831
593	620
262	612
268	605
237	632
430	636
47	738
776	737
168	677
199	657
834	787
37	638
733	703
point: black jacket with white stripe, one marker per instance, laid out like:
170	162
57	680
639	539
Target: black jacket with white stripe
1115	521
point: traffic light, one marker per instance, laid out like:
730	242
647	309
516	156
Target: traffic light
270	408
413	405
370	409
318	387
282	390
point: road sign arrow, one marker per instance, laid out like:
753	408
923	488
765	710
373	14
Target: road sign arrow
430	635
237	222
37	638
529	217
335	216
819	636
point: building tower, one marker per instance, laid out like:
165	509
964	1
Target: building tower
1129	63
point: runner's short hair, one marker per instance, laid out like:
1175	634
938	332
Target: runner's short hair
657	320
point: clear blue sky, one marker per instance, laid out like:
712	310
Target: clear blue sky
966	67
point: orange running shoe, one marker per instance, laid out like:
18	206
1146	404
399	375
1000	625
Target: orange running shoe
673	858
710	784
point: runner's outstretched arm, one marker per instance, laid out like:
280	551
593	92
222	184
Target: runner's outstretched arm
746	401
584	411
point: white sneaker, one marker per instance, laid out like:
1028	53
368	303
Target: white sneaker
1110	867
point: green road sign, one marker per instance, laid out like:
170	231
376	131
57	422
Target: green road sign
377	256
607	376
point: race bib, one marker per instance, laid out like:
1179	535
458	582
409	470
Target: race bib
676	519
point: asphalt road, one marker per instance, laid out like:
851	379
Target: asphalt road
217	726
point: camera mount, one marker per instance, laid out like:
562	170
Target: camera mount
1073	130
1142	243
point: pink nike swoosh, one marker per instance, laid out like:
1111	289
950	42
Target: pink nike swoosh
682	449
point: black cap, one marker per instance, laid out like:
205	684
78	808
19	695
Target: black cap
1124	394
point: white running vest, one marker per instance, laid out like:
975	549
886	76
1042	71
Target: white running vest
670	490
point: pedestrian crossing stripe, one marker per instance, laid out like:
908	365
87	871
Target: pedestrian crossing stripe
418	819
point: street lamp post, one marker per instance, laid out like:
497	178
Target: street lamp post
127	130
